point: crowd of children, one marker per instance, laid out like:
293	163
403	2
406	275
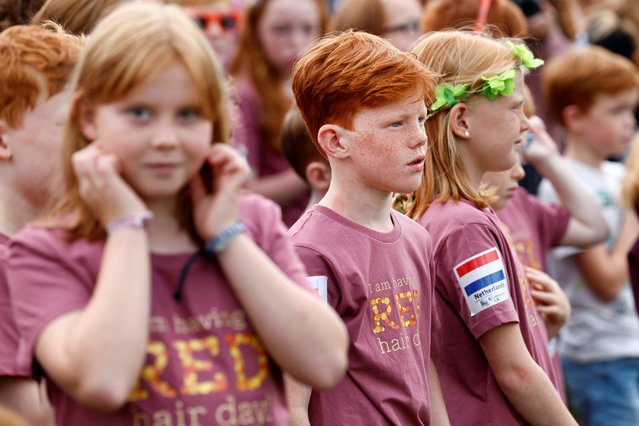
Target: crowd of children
310	212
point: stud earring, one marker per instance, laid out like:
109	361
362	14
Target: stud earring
466	133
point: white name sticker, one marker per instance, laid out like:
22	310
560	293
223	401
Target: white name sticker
320	284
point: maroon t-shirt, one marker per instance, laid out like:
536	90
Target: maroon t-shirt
205	364
479	285
534	227
9	339
380	285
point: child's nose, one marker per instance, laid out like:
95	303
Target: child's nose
165	137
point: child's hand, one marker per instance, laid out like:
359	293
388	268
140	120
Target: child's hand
538	145
102	187
551	302
216	211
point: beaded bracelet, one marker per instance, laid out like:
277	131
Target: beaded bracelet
218	243
137	220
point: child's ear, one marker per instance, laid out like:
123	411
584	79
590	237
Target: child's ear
334	140
5	149
458	122
86	117
318	175
572	118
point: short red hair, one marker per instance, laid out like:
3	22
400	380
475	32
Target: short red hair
36	61
581	76
343	73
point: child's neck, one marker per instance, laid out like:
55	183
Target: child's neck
578	150
316	197
165	234
369	208
16	212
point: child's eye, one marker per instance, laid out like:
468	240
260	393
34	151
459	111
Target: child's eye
396	124
189	113
140	112
421	120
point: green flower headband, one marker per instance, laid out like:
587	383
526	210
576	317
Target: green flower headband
503	84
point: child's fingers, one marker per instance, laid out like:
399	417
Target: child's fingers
544	297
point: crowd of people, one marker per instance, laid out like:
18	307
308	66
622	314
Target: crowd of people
311	212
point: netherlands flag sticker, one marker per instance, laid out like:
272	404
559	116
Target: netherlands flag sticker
482	279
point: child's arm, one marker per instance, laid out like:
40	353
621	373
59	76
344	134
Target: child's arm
95	354
26	398
606	269
587	226
298	396
439	414
303	335
550	300
520	378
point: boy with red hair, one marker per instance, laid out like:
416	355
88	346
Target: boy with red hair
363	102
37	62
593	94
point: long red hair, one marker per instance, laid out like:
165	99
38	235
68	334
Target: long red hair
251	61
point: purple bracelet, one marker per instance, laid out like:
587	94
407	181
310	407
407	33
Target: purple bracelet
137	220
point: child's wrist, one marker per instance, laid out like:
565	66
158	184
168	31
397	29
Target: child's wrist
133	221
219	242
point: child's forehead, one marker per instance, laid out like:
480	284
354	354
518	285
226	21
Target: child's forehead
408	104
624	96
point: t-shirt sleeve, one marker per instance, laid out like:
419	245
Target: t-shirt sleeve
548	196
263	219
9	339
474	278
320	274
45	283
552	220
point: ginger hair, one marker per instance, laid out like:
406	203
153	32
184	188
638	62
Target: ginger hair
344	73
37	61
129	47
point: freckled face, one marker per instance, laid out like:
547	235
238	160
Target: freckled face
388	145
496	129
35	146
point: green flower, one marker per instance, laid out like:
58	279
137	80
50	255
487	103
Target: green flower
524	55
502	84
448	94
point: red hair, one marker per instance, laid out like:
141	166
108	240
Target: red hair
36	61
251	60
345	72
504	18
580	76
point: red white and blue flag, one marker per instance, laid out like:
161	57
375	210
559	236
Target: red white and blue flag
483	281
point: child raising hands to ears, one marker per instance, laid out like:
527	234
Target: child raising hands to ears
155	291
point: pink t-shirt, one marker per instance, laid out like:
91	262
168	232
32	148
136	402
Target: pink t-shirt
534	227
380	285
9	338
479	285
260	156
205	364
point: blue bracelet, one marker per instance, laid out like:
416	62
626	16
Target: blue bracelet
218	243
